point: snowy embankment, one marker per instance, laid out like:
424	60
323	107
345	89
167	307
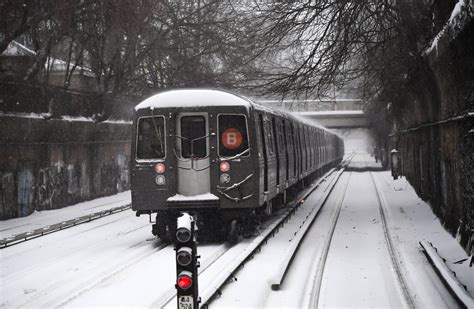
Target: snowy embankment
40	219
413	221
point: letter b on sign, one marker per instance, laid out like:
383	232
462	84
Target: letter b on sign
231	138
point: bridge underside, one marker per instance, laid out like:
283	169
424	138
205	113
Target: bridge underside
352	126
338	119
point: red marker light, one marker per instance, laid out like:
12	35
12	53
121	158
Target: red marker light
185	281
224	166
160	168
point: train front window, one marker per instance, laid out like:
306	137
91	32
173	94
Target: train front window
151	138
193	137
233	138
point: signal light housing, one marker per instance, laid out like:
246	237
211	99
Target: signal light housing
184	256
224	166
185	280
186	263
183	234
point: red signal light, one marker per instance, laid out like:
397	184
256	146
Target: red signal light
224	166
185	281
160	168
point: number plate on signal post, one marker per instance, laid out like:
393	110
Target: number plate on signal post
185	302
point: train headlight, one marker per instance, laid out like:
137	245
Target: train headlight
224	166
160	168
160	180
225	178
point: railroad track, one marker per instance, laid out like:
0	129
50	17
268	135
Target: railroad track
22	237
312	298
62	295
447	276
229	259
312	295
391	246
247	250
311	301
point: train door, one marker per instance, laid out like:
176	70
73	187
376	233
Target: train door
192	146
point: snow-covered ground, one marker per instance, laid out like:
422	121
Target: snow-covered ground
40	219
115	261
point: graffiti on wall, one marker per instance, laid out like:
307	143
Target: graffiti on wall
51	186
123	169
7	195
29	188
25	191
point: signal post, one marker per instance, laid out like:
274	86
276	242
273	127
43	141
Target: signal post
186	263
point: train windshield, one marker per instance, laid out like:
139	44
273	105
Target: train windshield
193	137
233	138
150	138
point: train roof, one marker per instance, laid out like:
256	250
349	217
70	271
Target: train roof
193	97
213	97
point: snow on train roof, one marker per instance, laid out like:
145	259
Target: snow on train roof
193	97
211	97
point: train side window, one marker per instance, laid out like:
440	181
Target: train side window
282	134
151	138
233	137
305	146
295	150
194	137
270	135
276	135
308	146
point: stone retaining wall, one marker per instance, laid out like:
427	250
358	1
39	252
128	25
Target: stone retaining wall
47	164
434	132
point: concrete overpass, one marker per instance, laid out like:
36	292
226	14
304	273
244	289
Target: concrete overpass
338	119
343	116
352	125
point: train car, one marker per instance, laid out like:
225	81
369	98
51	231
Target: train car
220	157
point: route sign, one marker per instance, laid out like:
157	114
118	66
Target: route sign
232	138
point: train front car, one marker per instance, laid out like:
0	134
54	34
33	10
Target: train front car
192	152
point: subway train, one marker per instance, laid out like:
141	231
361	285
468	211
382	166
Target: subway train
221	158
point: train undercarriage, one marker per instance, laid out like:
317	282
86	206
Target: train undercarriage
225	225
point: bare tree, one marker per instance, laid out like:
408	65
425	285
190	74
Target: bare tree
329	43
18	17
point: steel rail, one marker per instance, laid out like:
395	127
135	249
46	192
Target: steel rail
258	242
391	246
22	237
318	268
290	252
214	289
447	276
